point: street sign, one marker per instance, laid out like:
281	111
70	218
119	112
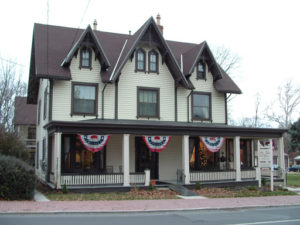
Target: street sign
265	154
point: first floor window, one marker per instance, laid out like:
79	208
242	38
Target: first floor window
245	153
77	159
84	99
201	104
31	133
148	102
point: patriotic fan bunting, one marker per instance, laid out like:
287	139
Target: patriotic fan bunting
93	142
157	143
213	144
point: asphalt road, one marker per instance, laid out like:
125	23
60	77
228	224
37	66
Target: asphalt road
275	215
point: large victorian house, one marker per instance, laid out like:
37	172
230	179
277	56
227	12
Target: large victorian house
121	109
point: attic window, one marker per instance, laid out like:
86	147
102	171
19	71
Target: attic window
153	61
140	60
85	58
201	70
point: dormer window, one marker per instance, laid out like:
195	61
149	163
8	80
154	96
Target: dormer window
201	70
85	58
140	60
153	61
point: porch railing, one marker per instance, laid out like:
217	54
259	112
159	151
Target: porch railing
248	174
113	178
137	178
211	175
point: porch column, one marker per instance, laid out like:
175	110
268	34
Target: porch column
185	158
281	159
237	158
57	152
125	152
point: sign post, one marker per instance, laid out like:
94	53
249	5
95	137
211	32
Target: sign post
265	157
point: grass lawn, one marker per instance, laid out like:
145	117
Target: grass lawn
293	179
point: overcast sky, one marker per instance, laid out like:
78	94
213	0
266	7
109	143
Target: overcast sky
265	34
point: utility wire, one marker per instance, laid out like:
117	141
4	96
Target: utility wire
10	61
86	8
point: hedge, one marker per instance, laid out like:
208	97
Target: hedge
17	179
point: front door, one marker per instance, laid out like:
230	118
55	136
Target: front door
145	159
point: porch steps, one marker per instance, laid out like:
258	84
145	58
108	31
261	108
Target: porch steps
182	190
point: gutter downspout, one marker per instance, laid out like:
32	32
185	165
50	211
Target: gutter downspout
188	107
103	100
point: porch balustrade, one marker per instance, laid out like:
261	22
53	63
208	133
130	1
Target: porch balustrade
102	179
211	175
248	174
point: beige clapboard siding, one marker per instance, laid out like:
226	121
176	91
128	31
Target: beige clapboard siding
218	101
41	132
130	80
62	90
109	101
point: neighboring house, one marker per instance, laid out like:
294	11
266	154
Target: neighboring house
297	160
25	124
100	90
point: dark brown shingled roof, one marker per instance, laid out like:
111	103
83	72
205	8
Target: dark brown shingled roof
62	39
25	114
226	84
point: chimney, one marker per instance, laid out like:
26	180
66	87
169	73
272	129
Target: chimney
161	28
95	24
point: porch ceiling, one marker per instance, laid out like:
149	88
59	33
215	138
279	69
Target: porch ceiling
147	127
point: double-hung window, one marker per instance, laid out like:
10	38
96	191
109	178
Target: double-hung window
140	60
84	98
85	58
201	70
201	106
148	102
153	61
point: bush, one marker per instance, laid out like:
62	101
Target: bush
17	179
11	144
65	189
151	188
252	188
263	181
198	186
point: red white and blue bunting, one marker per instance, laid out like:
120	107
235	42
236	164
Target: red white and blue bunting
93	142
213	144
157	143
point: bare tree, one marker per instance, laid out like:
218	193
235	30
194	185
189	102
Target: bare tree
11	86
227	59
288	99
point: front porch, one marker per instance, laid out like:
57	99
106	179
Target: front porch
127	162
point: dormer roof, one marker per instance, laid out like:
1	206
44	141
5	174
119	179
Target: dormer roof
53	48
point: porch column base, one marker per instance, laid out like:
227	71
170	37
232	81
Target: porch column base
237	158
125	152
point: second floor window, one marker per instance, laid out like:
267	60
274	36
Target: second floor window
85	58
39	112
84	99
140	60
45	104
201	70
31	133
153	61
148	102
201	106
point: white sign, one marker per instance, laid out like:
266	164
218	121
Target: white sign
265	154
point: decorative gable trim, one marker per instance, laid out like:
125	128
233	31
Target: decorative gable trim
136	38
99	50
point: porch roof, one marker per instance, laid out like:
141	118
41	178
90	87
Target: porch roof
150	127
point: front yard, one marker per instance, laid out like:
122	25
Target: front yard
293	179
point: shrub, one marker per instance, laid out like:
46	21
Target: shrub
252	188
11	144
65	189
198	186
263	181
17	179
151	188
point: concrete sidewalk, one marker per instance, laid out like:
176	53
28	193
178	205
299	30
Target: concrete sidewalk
145	205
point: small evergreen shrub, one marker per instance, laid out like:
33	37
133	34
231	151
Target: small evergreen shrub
65	189
17	179
263	181
198	186
151	188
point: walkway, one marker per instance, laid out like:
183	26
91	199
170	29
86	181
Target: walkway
144	205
